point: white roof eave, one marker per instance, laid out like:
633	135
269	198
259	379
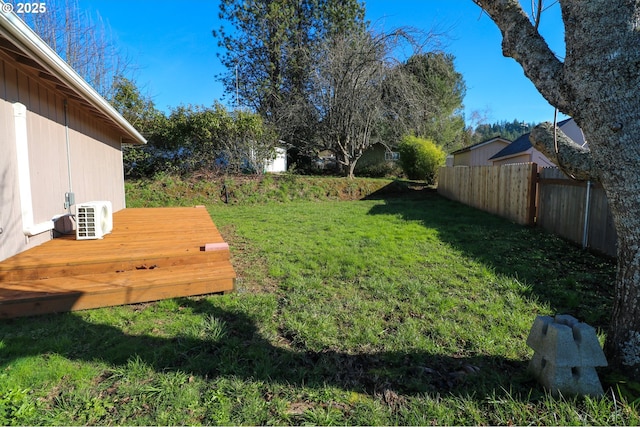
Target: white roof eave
39	51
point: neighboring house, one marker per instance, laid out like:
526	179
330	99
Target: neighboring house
57	136
521	150
377	160
478	154
277	164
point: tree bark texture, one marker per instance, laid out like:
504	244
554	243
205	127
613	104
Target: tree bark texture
597	84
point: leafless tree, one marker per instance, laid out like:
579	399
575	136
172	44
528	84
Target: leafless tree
359	89
84	42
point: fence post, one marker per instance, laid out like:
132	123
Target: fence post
533	194
587	207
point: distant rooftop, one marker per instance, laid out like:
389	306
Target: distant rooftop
521	144
479	144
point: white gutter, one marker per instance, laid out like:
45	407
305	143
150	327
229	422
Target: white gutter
51	61
24	178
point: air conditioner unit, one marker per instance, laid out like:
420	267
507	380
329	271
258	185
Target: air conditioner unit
93	220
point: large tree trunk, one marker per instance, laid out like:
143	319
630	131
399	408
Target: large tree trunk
616	164
597	84
619	158
623	340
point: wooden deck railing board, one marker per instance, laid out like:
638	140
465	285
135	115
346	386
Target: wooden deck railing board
143	259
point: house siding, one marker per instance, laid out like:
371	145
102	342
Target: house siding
571	129
480	155
541	160
95	153
522	158
529	156
462	159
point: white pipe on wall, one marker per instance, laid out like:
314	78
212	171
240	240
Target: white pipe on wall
24	178
69	197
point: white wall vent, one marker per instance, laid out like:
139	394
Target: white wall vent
93	220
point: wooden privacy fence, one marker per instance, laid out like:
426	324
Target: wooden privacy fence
575	210
507	190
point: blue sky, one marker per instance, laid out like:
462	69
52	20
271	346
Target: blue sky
171	44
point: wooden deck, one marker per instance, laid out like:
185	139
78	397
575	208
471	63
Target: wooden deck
152	254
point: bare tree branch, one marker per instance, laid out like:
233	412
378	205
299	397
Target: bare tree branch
84	43
575	160
522	42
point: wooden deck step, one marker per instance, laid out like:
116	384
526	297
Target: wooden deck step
66	267
109	289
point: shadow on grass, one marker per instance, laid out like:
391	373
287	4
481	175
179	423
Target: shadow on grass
571	280
242	352
563	276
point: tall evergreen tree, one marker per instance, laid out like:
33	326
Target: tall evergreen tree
443	90
269	48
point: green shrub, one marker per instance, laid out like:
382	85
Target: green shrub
420	158
383	169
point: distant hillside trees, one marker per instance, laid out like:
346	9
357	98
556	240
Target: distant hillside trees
508	130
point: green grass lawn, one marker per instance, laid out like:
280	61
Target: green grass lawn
384	311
